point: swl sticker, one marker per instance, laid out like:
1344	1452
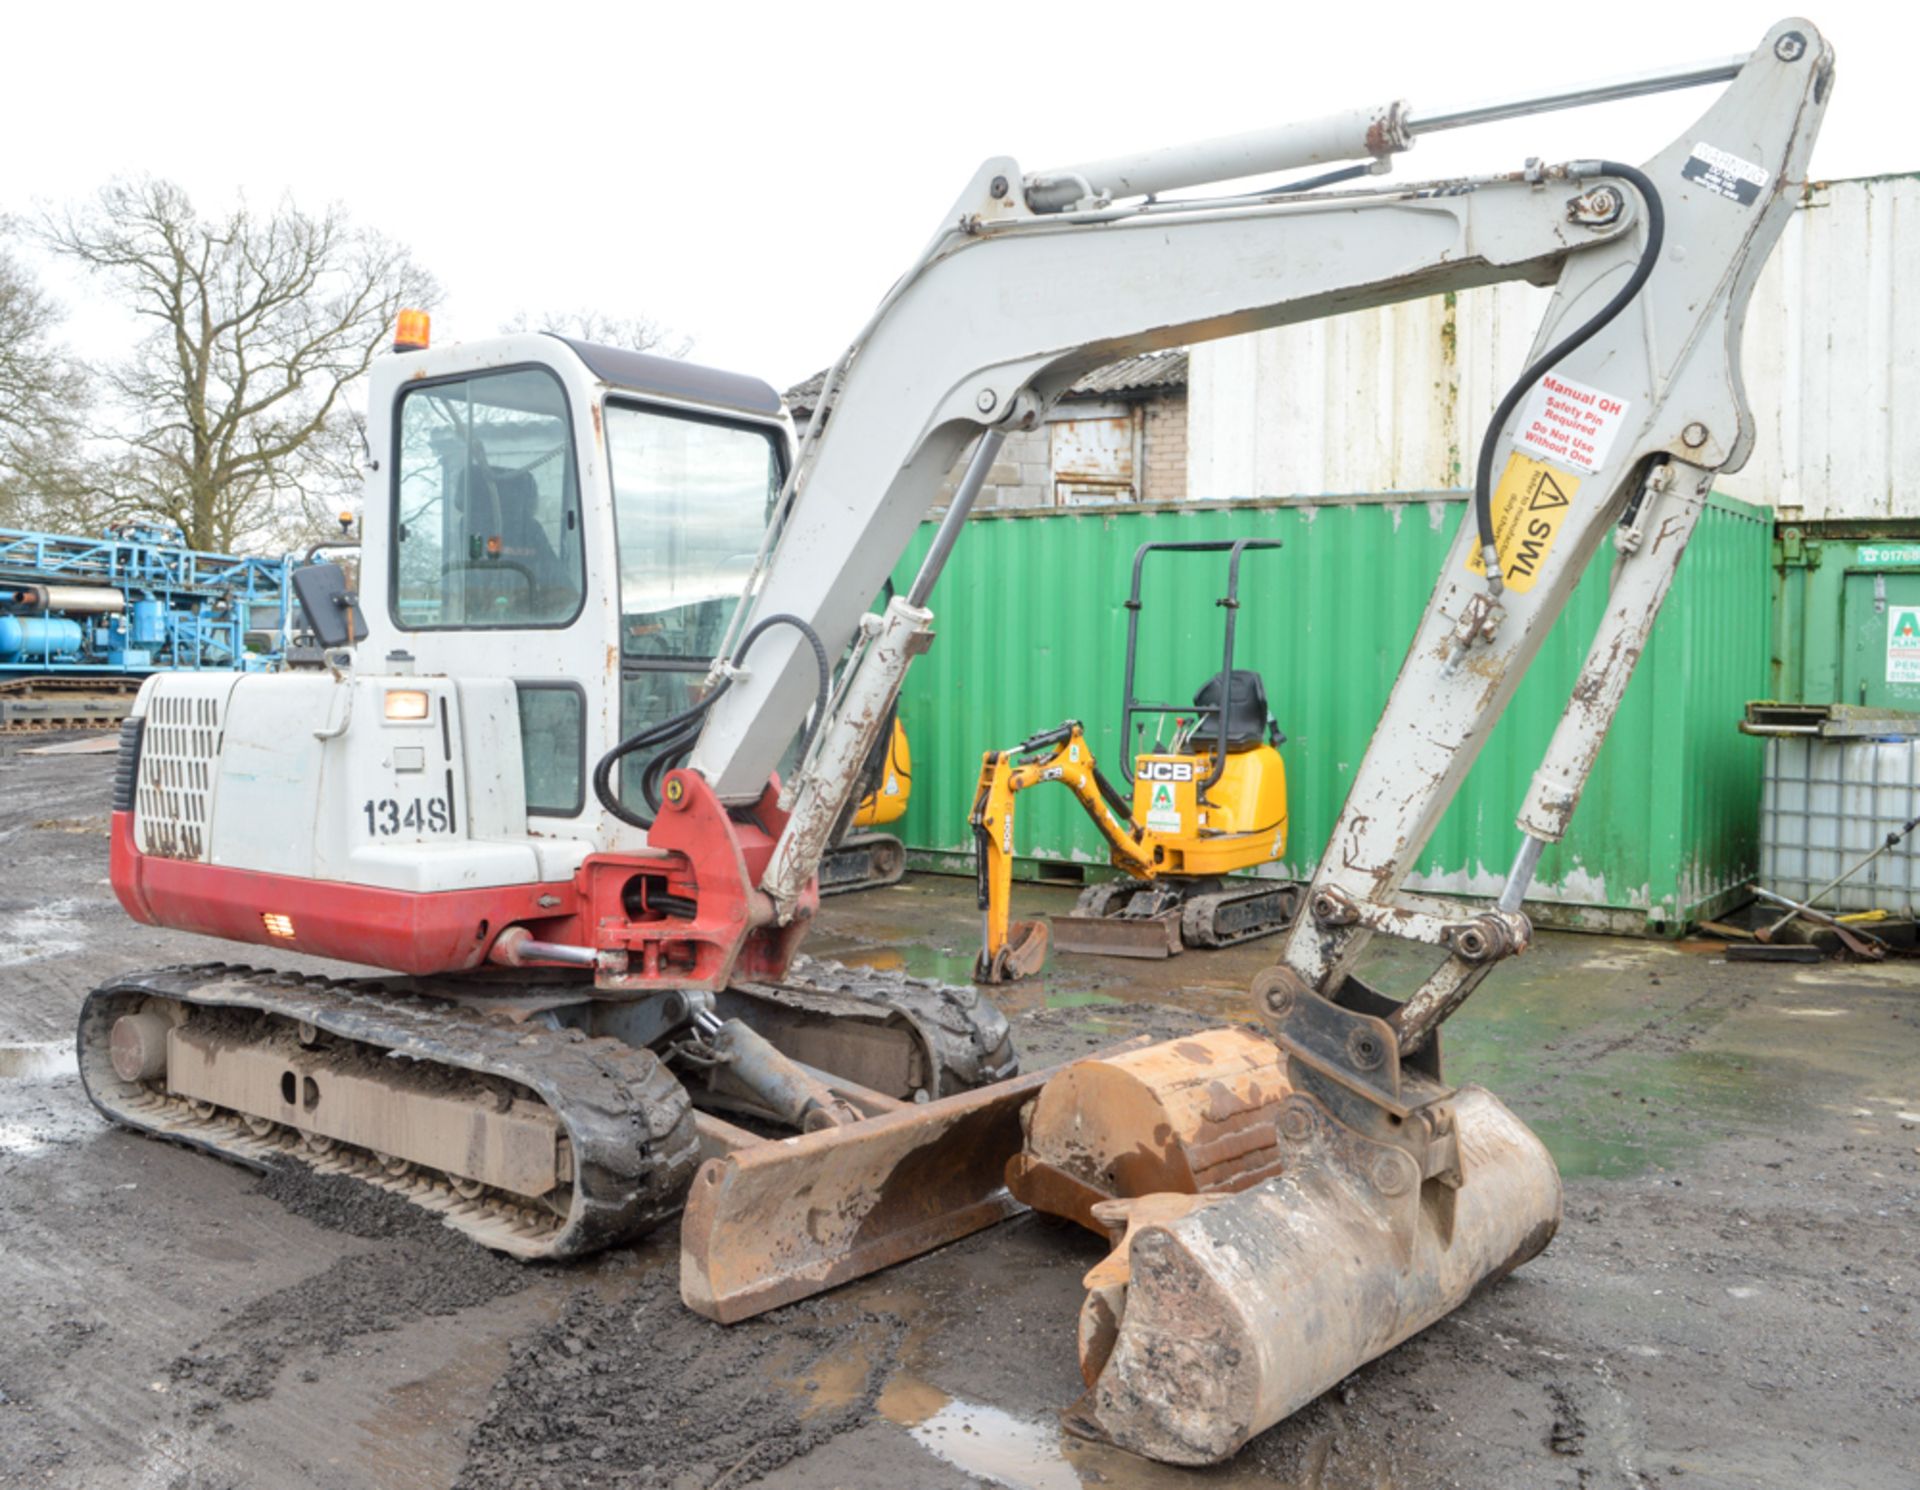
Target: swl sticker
1529	505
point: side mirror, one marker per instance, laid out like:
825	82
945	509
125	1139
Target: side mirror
331	614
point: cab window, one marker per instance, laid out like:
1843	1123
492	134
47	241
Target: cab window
691	499
486	505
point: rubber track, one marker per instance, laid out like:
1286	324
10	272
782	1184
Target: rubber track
862	861
1199	917
1199	914
968	1037
629	1121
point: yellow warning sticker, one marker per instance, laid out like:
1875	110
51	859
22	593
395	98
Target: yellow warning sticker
1529	505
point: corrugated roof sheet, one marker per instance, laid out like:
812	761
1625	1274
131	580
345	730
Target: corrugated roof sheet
1129	375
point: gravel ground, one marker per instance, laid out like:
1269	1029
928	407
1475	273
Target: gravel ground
1729	1303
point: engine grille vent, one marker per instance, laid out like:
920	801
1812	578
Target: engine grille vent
179	748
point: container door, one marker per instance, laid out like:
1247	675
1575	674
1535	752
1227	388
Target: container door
1880	639
1092	461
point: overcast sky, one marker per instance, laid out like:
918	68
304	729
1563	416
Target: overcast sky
755	176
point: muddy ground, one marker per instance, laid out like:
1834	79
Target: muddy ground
1731	1301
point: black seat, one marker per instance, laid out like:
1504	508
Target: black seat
1247	713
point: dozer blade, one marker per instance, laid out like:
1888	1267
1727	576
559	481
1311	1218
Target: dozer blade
1024	955
782	1220
1215	1320
1119	936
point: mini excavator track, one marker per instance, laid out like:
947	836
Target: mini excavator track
538	1142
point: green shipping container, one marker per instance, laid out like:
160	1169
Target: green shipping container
1031	627
1846	601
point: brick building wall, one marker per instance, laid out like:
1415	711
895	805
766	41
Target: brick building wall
1166	447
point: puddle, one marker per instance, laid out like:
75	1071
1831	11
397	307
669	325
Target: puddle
983	1441
41	932
32	1114
1023	1450
1021	1453
1045	991
916	959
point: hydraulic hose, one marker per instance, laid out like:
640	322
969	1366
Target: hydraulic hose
671	739
1649	256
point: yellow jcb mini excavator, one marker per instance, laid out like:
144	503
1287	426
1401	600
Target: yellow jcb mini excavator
862	859
1213	801
590	938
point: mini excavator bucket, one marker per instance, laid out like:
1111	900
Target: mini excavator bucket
1024	955
1269	1237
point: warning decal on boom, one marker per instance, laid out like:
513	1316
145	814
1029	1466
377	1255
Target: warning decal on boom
1529	506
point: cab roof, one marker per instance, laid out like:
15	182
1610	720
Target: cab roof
669	377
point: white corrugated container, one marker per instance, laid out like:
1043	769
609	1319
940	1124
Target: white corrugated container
1396	399
1825	805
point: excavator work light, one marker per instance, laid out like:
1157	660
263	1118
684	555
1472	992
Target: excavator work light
413	332
277	924
406	704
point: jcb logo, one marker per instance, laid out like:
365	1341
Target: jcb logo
1167	771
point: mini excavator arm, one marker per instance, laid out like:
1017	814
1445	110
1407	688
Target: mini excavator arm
1015	298
1248	1305
1014	951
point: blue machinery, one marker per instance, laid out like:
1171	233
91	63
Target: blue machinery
82	620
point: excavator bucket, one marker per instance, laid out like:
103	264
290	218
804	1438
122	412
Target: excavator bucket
1189	1116
1024	955
1235	1300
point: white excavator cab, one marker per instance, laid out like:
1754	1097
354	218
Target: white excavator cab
579	518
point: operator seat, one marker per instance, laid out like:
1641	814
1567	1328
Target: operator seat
1249	721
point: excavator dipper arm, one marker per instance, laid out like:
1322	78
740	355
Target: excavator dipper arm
1009	949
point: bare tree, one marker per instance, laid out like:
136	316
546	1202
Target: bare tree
635	333
42	392
229	419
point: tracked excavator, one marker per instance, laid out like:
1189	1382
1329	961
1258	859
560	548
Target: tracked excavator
1211	802
517	789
